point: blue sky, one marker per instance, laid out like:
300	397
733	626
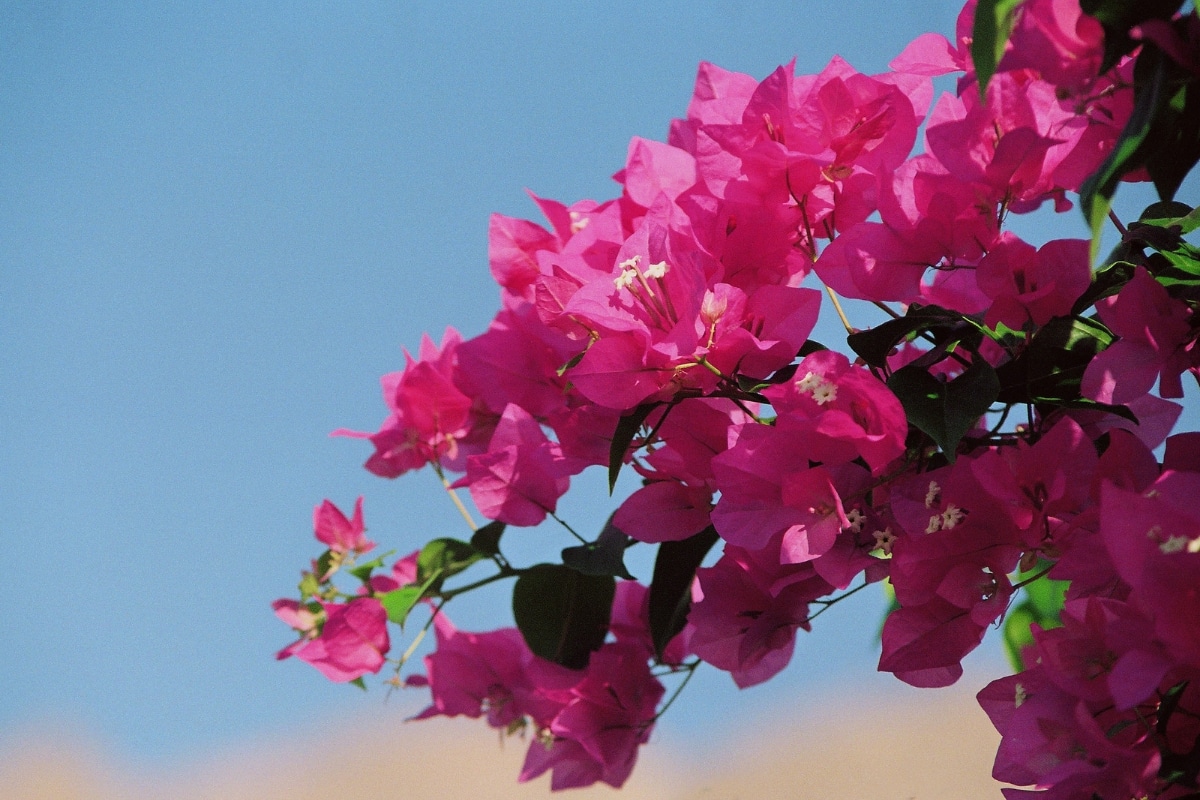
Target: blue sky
219	225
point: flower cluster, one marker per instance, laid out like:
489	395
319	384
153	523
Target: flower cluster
667	330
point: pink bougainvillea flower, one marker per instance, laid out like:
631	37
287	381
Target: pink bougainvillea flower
1155	344
490	674
1153	538
1042	485
843	411
516	361
1056	40
746	609
521	476
1028	285
353	639
430	415
664	511
341	535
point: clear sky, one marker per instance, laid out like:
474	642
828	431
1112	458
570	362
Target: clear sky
219	225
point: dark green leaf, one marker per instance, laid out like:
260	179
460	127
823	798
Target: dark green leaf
442	558
1118	16
1169	705
875	344
993	25
945	410
326	565
748	384
1085	404
605	556
359	683
574	362
671	587
1095	195
1165	213
487	539
809	347
1051	368
563	614
627	428
1108	280
1176	135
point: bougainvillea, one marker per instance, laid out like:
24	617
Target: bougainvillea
1001	451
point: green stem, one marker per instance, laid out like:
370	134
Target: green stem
508	572
691	670
827	604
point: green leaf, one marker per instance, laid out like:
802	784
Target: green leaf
993	25
399	602
875	344
945	410
359	683
442	558
1017	634
1108	280
1176	134
363	571
605	556
573	362
1046	598
1042	606
1118	16
326	565
1085	404
809	347
1095	195
309	586
1051	367
671	586
563	614
1166	213
627	428
487	539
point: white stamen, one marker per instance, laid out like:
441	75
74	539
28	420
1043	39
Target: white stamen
658	270
825	393
809	382
884	540
1174	544
933	495
952	516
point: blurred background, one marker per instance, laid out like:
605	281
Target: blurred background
220	223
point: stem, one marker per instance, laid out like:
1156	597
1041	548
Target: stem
837	306
1032	578
508	572
1112	215
691	670
885	309
827	604
556	518
437	468
416	642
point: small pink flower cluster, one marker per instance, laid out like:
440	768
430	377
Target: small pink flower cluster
667	329
1110	705
586	724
